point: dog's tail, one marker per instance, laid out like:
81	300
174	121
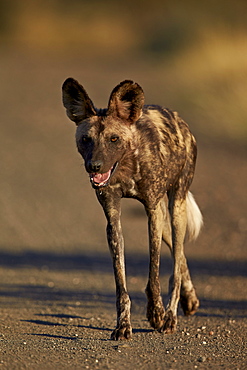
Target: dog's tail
194	217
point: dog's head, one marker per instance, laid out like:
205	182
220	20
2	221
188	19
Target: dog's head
103	137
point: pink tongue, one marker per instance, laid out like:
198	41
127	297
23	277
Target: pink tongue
100	178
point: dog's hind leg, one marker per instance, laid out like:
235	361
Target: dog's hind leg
111	208
188	299
155	307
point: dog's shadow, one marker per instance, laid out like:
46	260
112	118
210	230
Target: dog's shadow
137	265
53	323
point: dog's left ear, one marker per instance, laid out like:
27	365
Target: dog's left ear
126	101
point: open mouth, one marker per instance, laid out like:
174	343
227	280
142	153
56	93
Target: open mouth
99	180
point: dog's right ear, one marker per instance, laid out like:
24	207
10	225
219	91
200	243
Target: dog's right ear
76	101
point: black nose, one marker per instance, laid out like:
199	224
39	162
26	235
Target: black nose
94	166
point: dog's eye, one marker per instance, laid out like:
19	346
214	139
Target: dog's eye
86	139
114	139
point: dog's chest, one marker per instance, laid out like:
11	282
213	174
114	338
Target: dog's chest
148	189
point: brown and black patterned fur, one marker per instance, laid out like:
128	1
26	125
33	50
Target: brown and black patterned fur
153	154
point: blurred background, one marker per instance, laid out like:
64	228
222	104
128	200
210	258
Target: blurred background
187	55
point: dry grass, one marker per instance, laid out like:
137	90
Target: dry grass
193	54
211	85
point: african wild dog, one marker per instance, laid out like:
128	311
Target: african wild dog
148	153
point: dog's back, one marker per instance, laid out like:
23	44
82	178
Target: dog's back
168	148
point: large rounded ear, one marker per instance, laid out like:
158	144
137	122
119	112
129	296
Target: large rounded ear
126	101
76	101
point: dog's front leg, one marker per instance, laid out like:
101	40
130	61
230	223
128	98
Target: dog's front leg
123	329
155	308
111	206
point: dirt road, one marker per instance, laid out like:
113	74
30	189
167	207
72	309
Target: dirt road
57	295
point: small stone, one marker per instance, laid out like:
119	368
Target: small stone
202	359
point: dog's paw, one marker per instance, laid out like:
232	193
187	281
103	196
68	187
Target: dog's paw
155	315
122	332
189	303
169	323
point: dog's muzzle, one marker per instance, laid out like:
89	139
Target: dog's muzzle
99	180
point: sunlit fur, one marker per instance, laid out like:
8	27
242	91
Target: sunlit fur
153	154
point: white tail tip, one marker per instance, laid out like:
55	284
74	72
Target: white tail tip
194	217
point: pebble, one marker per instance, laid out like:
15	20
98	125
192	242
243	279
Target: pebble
202	359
